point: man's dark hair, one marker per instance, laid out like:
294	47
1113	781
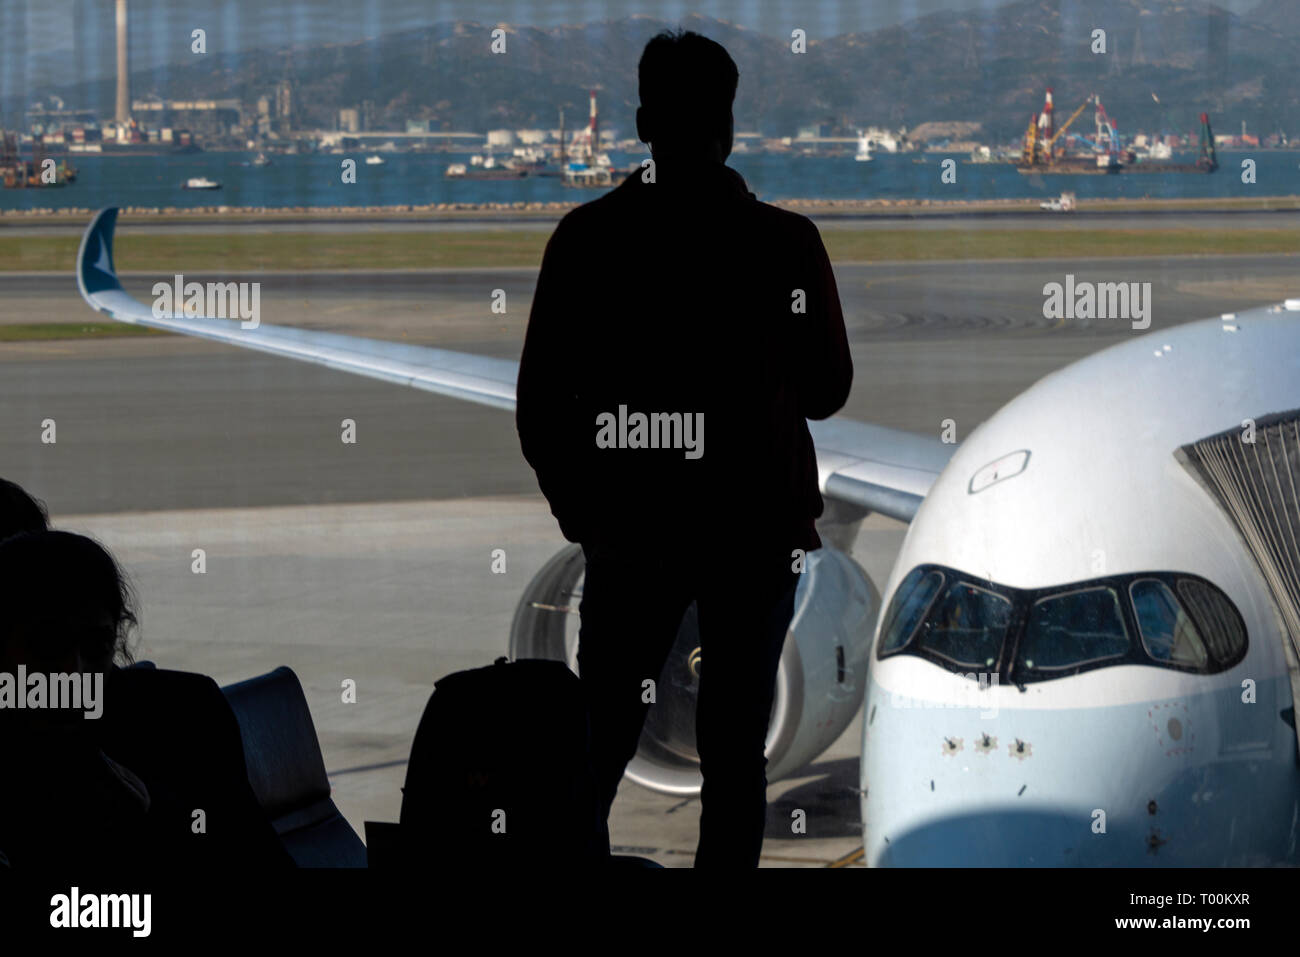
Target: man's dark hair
688	82
19	512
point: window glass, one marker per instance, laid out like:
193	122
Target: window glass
908	607
970	624
1073	628
967	626
1167	630
1221	628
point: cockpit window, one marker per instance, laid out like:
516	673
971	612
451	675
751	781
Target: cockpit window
1167	630
1078	627
964	623
967	626
1225	634
910	602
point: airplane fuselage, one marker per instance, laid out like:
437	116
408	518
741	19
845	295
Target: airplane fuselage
1141	710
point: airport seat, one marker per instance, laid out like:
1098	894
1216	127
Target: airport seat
287	771
177	733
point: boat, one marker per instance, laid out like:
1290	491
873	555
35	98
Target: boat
18	173
261	159
582	176
863	154
486	169
1156	151
374	160
200	182
590	175
531	157
30	174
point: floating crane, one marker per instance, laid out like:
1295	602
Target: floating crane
1040	139
1039	153
1208	160
18	173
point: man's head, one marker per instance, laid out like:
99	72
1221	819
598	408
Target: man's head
687	83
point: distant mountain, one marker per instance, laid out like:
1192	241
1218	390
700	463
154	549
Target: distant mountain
1277	14
1165	62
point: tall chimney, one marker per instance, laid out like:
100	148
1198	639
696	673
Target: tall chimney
123	80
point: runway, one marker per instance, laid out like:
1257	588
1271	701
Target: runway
372	561
171	423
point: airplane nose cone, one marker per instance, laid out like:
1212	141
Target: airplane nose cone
1143	784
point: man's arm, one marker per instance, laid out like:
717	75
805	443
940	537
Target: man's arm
826	369
546	392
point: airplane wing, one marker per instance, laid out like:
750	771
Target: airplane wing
881	469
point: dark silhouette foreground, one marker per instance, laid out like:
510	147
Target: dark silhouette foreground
685	295
157	781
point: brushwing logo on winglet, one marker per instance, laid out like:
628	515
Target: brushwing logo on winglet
97	272
102	263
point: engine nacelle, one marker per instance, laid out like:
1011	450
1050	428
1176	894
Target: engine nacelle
819	685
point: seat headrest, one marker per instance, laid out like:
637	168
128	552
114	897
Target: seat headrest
285	766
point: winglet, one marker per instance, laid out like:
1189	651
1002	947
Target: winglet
95	272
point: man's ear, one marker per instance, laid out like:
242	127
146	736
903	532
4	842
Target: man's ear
642	125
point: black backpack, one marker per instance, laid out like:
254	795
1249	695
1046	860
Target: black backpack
500	772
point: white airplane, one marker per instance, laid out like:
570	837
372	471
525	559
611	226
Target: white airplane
1088	654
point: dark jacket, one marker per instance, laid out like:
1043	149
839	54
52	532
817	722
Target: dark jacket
176	730
118	794
685	295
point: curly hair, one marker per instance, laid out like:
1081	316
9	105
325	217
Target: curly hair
47	578
20	512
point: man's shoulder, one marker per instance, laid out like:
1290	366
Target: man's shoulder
596	210
624	205
785	221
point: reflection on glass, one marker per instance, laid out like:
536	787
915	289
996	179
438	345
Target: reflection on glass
1167	630
910	602
967	626
1074	628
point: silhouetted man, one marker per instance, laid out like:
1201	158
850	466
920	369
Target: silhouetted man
681	333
